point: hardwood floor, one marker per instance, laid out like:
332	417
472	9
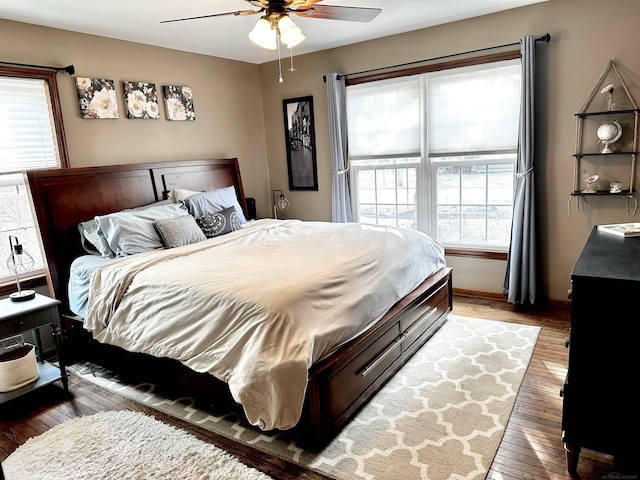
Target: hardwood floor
530	449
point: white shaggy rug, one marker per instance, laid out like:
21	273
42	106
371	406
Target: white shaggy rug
122	445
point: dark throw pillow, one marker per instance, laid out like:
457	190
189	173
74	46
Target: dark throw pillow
215	224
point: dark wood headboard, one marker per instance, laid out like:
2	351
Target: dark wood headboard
62	198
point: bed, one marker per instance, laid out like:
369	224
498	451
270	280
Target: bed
327	378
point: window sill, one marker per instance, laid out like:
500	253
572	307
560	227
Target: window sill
473	253
8	286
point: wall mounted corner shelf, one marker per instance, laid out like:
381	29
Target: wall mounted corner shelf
619	113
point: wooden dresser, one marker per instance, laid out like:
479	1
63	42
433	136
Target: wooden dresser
600	399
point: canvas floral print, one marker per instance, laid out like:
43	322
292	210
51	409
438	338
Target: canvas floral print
97	98
179	103
141	100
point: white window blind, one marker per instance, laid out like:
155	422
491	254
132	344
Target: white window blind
28	141
384	119
475	110
437	152
27	129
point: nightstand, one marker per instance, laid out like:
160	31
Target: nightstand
18	317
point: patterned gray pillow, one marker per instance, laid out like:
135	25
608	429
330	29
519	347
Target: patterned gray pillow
179	231
215	224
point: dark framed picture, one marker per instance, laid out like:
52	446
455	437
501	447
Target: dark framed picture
300	139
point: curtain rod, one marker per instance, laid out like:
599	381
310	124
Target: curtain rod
69	69
544	38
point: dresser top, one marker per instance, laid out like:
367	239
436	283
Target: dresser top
607	256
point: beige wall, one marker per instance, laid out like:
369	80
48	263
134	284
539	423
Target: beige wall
585	35
227	102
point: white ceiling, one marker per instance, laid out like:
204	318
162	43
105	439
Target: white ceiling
226	37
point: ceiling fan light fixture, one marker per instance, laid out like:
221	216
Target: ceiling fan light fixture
263	35
290	34
275	22
297	41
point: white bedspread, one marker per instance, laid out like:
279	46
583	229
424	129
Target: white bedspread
256	307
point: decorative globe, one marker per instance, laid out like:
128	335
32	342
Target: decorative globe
609	133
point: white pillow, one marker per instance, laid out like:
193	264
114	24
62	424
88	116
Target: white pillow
133	231
180	194
214	201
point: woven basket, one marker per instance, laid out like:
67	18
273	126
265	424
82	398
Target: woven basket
17	368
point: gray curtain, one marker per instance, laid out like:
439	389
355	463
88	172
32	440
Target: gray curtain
337	105
522	279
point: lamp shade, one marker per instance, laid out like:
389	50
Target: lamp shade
263	35
297	40
290	34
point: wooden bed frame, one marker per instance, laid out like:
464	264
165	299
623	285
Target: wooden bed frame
338	385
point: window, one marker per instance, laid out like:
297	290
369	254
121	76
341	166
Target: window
437	151
31	136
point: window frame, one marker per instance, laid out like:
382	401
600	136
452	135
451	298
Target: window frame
510	54
7	285
432	167
355	169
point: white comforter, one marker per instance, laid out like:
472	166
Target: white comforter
258	306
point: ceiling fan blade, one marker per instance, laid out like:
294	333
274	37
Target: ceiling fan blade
301	3
334	12
239	12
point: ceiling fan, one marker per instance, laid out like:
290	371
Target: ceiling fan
275	21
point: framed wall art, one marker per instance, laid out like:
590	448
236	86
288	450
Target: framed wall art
179	102
301	143
96	98
141	100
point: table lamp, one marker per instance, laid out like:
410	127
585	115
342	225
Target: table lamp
281	203
19	262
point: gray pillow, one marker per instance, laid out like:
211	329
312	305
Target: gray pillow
133	231
93	240
219	223
179	231
214	201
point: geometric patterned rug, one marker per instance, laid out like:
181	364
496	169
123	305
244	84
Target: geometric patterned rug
442	416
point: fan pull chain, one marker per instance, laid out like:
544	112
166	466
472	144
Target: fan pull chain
280	79
292	68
